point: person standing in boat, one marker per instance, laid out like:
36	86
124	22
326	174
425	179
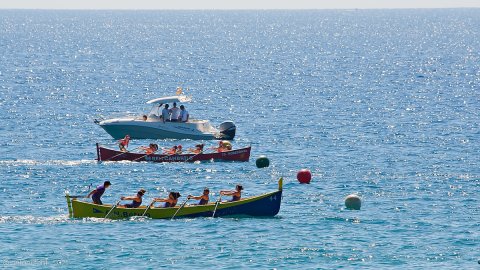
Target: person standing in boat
165	114
236	194
97	193
204	198
123	143
136	200
175	112
171	201
183	114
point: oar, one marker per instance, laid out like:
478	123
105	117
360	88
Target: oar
193	156
148	207
112	208
206	153
216	205
181	206
123	153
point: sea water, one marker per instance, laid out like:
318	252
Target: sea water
379	103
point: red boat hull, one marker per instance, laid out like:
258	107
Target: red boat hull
106	154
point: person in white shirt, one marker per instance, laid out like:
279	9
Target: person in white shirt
175	112
183	114
165	114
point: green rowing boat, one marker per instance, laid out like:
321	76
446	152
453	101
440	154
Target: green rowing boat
267	204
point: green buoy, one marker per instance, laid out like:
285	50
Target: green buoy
262	162
353	202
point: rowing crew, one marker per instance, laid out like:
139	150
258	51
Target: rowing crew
223	146
170	201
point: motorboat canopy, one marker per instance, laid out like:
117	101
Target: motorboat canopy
170	99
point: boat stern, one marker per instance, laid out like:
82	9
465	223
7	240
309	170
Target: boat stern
227	130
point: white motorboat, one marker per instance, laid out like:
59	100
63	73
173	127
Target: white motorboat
151	126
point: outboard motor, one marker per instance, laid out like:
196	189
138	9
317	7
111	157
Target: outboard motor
227	130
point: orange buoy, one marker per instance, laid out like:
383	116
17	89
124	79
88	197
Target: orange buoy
304	176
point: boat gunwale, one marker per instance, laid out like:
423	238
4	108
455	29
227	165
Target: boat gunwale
188	156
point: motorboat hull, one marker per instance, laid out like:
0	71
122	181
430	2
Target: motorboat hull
139	129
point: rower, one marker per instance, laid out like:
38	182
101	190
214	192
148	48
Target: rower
223	146
123	143
171	151
203	198
236	194
136	200
98	192
152	148
197	150
171	201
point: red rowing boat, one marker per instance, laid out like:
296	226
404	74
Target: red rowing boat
107	154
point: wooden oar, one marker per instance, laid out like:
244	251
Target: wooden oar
216	205
106	216
181	206
206	153
148	207
193	156
123	153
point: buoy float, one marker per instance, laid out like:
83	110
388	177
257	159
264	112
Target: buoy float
262	162
353	201
304	176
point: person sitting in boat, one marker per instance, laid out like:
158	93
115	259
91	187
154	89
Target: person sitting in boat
183	114
197	150
171	201
203	198
144	117
179	149
236	194
175	112
165	114
171	151
152	148
136	200
223	146
98	192
123	143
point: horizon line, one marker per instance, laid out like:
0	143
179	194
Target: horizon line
233	9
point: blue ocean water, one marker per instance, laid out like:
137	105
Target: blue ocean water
381	103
